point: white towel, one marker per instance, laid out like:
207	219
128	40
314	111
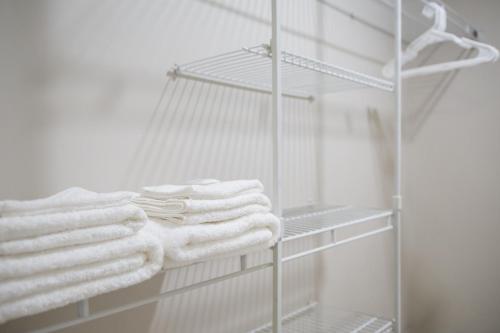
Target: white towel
21	234
208	190
31	284
190	206
74	198
214	216
188	244
187	211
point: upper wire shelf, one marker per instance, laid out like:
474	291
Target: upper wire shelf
250	68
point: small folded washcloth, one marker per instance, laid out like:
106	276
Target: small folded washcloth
186	244
188	211
206	190
35	283
72	199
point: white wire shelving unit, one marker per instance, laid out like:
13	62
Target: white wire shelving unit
269	69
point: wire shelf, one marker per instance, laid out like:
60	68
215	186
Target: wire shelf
250	68
308	221
319	319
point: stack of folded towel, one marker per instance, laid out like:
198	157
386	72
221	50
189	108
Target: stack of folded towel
209	219
71	246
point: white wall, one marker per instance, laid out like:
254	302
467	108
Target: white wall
85	101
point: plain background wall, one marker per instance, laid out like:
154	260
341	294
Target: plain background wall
451	190
85	101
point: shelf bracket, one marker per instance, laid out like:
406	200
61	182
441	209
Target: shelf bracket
243	262
397	203
83	308
173	72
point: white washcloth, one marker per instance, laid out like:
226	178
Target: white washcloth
210	190
21	234
74	198
193	243
31	284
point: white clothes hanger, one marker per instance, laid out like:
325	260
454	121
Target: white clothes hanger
437	34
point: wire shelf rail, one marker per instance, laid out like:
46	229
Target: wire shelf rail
309	221
318	319
312	220
251	68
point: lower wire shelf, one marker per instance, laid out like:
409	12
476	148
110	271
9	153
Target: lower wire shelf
298	223
321	319
313	220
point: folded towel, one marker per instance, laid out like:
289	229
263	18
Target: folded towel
182	206
31	284
214	216
186	244
74	198
189	211
48	231
207	190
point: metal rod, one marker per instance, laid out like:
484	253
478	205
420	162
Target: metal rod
176	74
340	225
106	313
277	161
384	328
83	308
364	325
277	287
341	242
243	262
397	202
355	17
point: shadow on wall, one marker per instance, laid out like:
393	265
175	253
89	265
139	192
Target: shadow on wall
294	31
201	130
426	93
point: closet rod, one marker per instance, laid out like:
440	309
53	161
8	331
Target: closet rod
356	18
454	17
152	299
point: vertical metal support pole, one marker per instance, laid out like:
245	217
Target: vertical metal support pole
83	308
243	262
277	161
397	200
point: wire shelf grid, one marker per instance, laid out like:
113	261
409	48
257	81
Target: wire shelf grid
310	221
318	319
251	68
